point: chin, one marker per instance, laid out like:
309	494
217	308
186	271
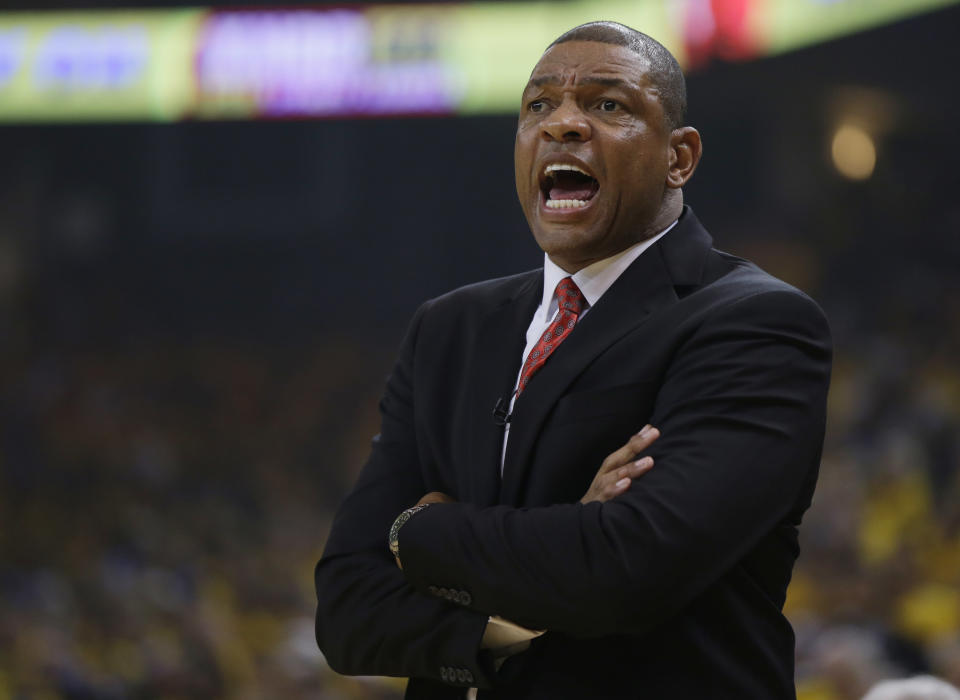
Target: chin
569	243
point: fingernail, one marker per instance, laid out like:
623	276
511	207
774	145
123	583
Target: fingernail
622	483
644	429
643	463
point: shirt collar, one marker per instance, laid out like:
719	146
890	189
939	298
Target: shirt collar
595	279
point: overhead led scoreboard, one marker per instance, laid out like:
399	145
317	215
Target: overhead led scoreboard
315	62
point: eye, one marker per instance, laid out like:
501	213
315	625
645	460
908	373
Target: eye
536	106
609	106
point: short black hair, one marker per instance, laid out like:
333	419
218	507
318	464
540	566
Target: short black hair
665	72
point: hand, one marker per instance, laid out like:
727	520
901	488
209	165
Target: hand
435	497
621	467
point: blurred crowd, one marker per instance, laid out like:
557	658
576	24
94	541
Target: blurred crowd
161	511
876	591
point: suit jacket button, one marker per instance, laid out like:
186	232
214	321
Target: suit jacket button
447	593
465	598
469	676
461	675
443	673
433	590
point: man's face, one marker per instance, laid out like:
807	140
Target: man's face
592	152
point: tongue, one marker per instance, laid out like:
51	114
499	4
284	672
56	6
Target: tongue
572	186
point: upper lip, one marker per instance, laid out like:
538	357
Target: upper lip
562	159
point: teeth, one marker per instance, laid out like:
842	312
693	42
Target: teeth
565	203
564	166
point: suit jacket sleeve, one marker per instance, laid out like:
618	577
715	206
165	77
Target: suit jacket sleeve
741	410
370	620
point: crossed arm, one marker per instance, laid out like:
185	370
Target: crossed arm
742	411
439	620
613	478
502	637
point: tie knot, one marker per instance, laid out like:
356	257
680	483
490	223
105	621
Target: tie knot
569	296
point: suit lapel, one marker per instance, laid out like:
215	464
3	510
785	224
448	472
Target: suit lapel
646	286
500	342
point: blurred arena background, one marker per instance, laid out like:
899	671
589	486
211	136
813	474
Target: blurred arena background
215	223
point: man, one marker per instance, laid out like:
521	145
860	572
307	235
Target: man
525	571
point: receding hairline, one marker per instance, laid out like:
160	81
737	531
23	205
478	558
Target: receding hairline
606	32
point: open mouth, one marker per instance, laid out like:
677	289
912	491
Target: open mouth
566	186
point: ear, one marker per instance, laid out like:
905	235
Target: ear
685	152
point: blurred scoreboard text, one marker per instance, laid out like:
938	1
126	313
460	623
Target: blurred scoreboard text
471	58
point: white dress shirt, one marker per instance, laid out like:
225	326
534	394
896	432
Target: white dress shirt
593	281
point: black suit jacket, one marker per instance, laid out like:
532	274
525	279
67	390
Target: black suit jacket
672	590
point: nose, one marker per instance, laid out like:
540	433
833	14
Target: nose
566	123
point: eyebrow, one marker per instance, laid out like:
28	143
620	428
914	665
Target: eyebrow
588	80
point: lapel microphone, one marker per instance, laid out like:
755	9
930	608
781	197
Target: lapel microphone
501	412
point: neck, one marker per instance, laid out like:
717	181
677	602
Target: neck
670	210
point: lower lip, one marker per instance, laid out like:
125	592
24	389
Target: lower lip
565	212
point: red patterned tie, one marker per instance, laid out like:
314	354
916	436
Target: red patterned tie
571	304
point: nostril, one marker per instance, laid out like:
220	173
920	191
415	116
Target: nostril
564	127
573	134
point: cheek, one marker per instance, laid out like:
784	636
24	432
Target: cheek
626	160
521	183
648	165
522	159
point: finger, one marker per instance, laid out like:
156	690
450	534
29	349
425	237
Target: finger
640	467
619	480
643	439
616	488
626	454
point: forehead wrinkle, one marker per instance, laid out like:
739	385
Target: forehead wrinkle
544	80
607	82
596	76
587	80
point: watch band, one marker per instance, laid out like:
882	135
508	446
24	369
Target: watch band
393	539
